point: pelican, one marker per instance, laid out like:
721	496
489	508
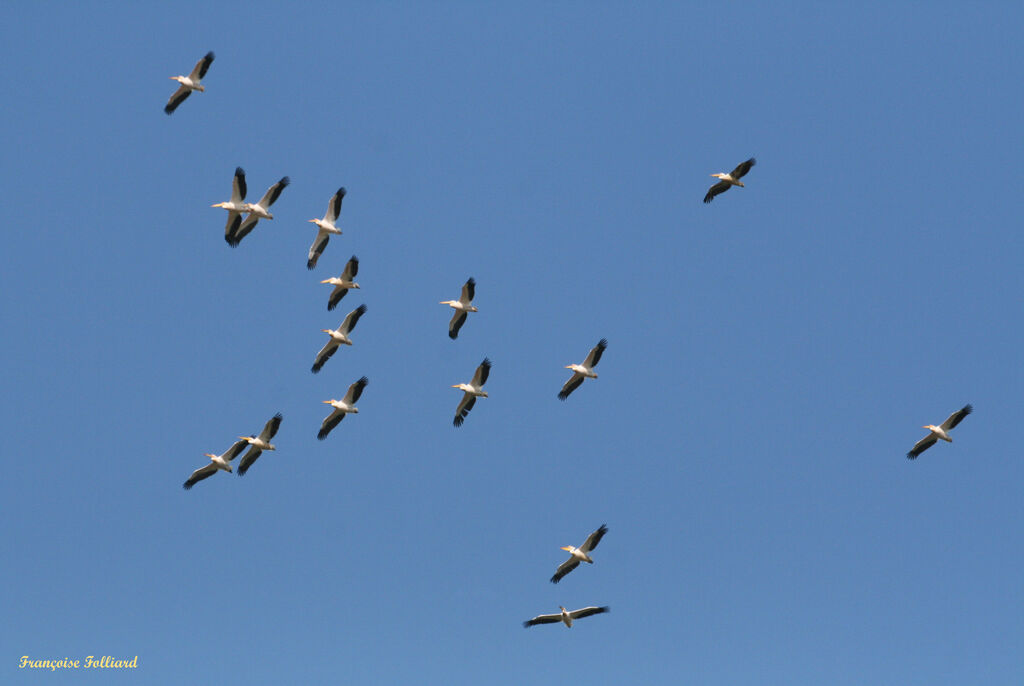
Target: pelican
939	432
472	390
342	407
583	371
565	616
259	443
343	283
325	227
729	180
580	554
462	307
257	211
338	337
236	205
216	462
189	83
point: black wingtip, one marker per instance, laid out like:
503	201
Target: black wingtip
452	335
361	309
315	369
321	435
310	264
285	181
458	420
562	396
603	343
239	171
168	109
968	408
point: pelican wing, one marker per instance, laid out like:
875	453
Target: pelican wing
238	188
465	405
468	291
742	169
595	354
317	249
271	427
564	568
458	319
574	382
200	474
956	418
325	354
922	445
351	269
352	319
231	228
177	98
593	539
482	372
355	391
331	421
587	611
334	206
242	231
336	295
273	193
543	619
247	461
717	189
199	71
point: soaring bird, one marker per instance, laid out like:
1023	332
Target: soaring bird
583	371
462	307
189	83
236	205
581	554
259	443
325	227
257	211
565	616
939	432
338	336
729	180
216	462
342	407
472	391
343	283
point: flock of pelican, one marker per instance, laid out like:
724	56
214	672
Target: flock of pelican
242	219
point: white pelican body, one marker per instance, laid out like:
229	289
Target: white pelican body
257	211
940	432
189	83
472	391
257	444
339	337
565	616
462	307
325	227
236	205
583	371
727	181
343	283
217	462
346	405
581	554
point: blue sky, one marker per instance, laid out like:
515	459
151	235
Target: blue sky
772	356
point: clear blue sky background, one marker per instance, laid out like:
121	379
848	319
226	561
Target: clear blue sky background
771	356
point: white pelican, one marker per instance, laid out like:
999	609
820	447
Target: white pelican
216	462
236	205
338	337
325	227
583	371
259	443
939	432
565	616
472	391
257	211
342	407
343	283
189	83
581	554
729	180
462	307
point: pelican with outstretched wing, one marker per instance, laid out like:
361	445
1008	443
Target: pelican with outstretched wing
189	83
940	432
463	306
471	391
216	462
583	371
565	616
339	337
578	555
257	444
346	405
729	180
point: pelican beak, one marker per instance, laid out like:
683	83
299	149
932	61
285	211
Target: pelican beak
327	402
455	385
566	548
311	221
325	281
326	330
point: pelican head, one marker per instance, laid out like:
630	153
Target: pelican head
327	402
327	330
209	455
567	548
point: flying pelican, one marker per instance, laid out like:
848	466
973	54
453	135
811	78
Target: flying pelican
189	83
343	283
342	407
729	180
580	554
472	390
236	205
565	616
462	307
216	462
325	227
940	431
583	371
257	211
259	443
338	336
